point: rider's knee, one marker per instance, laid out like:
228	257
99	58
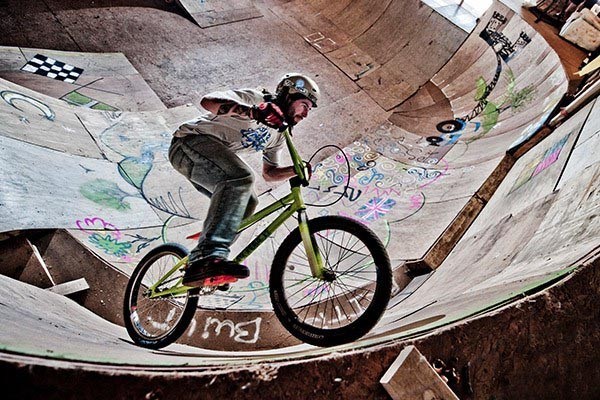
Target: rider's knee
252	204
246	181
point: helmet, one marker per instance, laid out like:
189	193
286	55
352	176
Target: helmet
295	83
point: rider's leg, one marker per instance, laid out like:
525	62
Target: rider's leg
252	203
228	204
211	166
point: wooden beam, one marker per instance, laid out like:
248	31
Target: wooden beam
411	377
71	287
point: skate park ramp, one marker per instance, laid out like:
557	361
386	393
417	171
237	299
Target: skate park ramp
109	76
430	123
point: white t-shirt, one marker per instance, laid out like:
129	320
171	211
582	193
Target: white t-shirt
239	133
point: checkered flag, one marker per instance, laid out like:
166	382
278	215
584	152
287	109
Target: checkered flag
46	66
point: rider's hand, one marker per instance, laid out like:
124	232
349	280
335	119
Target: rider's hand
269	114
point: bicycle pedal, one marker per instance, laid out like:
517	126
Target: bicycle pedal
224	287
219	280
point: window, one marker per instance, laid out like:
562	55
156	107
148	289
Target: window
463	13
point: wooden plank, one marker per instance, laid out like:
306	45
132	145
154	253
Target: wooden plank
422	111
72	287
411	377
403	68
56	125
41	261
316	29
18	261
208	14
359	15
212	18
355	62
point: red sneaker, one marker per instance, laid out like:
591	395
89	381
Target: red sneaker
213	271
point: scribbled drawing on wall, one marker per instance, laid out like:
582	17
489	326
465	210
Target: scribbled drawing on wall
540	164
47	66
513	99
105	236
375	190
219	301
241	332
318	40
488	111
110	240
387	142
375	208
256	295
12	98
133	169
256	290
78	99
106	193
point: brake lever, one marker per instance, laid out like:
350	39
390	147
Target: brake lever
283	127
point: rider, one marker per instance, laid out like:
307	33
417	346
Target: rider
204	151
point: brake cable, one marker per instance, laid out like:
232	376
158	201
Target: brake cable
347	180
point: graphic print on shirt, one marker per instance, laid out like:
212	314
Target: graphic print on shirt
255	138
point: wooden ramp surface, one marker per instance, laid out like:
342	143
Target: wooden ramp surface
107	81
210	13
92	171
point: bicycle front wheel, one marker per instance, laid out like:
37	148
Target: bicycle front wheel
157	322
349	301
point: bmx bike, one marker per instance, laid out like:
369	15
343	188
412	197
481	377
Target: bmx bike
330	279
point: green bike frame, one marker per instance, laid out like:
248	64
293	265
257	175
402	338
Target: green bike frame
294	203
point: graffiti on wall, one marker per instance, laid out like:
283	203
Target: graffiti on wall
110	240
376	188
486	110
241	332
136	163
52	68
14	98
540	164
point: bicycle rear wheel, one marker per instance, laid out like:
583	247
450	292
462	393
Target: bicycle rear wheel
350	302
156	323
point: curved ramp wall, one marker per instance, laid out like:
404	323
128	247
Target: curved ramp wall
405	183
541	225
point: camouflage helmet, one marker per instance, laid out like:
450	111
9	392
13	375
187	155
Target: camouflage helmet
296	83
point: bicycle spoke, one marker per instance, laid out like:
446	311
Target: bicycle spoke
330	305
156	322
298	291
348	252
307	306
348	299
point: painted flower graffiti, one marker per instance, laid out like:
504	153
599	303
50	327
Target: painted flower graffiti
105	237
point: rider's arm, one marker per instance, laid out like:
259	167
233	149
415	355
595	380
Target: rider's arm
272	173
226	107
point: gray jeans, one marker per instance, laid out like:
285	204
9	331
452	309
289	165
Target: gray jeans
226	179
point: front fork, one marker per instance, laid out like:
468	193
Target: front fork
315	259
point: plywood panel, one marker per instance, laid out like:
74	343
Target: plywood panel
107	78
210	13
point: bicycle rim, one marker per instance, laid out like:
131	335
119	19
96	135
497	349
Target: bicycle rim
160	321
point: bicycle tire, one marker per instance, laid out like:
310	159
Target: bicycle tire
290	263
156	323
